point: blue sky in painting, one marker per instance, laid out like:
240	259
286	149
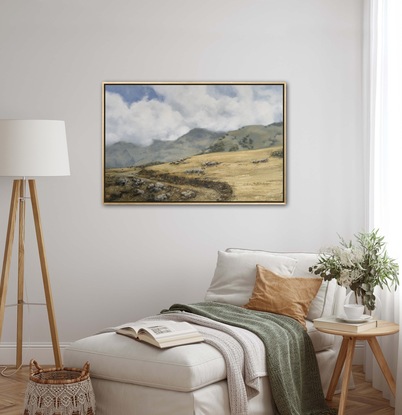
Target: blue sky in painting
131	94
140	113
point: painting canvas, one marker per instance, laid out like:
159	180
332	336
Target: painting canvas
194	143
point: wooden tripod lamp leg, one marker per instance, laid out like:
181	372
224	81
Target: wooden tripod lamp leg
45	273
21	269
8	250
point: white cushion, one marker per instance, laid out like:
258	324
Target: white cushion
235	274
323	303
321	341
185	368
121	359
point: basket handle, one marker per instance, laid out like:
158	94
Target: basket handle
32	365
85	370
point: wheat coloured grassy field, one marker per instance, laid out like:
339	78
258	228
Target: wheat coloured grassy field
252	176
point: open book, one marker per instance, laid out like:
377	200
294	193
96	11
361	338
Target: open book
162	333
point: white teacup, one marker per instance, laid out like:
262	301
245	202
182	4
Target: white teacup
353	311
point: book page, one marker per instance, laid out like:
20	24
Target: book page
136	326
168	329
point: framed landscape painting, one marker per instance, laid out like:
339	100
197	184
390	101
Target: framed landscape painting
194	143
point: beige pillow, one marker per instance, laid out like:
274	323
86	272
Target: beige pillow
234	276
289	296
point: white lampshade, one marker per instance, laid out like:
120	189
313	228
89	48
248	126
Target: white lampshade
30	148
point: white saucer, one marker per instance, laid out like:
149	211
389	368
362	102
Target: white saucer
362	319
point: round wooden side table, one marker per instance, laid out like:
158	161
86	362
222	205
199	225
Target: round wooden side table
345	357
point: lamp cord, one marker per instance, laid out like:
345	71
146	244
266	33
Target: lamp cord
6	368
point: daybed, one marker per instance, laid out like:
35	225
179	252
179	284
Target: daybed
131	377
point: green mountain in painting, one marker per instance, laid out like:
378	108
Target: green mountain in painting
196	141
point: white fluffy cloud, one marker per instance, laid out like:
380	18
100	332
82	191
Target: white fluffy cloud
179	108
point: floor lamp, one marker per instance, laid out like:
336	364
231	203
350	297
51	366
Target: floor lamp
29	148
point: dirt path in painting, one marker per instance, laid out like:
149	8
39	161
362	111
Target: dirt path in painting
243	176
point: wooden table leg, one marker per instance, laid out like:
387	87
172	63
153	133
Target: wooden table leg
375	347
346	374
338	369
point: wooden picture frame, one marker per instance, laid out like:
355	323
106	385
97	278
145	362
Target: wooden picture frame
194	143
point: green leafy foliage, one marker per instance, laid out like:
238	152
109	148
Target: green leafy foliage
360	267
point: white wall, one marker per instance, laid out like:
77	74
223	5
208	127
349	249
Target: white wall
112	264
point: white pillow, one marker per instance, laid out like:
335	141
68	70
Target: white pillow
235	274
323	303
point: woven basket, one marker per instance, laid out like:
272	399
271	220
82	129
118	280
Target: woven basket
60	391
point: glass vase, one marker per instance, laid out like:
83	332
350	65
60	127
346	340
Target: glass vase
376	313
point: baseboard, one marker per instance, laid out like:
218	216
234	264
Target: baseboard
41	352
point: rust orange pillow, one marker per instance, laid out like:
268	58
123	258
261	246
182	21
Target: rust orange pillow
289	296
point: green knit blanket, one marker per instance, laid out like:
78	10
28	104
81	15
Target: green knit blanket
291	362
